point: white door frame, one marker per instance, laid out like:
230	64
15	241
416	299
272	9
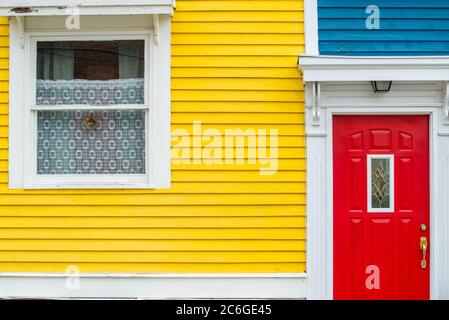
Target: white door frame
320	186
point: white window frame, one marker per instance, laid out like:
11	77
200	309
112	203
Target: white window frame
389	157
23	133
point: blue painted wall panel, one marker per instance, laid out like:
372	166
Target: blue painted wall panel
407	27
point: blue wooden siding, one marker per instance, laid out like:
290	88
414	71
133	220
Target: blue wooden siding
407	27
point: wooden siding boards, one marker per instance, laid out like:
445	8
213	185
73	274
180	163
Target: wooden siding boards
233	66
407	28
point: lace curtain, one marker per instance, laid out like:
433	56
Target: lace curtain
88	92
65	146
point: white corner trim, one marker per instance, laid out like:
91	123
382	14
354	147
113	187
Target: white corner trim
16	102
446	103
85	7
154	286
339	68
311	26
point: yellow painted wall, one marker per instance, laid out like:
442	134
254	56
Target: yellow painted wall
234	66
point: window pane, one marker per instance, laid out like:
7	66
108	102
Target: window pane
380	183
91	142
90	72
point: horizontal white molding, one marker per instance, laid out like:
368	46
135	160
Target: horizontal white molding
341	68
155	286
86	7
402	94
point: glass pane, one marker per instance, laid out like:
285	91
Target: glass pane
380	183
91	142
90	72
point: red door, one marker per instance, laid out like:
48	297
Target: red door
381	207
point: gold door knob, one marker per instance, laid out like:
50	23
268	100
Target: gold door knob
423	244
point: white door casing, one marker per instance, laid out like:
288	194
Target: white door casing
328	98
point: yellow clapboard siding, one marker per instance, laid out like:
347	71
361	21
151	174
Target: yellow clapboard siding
233	50
236	95
119	267
156	257
151	222
152	245
242	16
155	199
238	27
217	117
234	84
4	52
236	39
234	61
282	165
147	211
185	187
4	64
234	67
248	153
4	86
154	234
247	5
261	73
283	129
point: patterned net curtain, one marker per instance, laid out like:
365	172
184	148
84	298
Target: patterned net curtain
90	141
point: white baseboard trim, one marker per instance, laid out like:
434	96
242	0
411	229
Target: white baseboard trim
153	286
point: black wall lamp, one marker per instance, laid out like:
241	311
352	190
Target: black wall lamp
381	86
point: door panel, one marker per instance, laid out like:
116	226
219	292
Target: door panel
377	253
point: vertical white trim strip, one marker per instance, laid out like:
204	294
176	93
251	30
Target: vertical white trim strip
161	105
16	104
311	26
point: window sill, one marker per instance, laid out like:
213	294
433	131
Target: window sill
92	186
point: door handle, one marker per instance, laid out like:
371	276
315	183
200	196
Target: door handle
423	244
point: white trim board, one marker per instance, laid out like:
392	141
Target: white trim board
154	286
342	68
311	26
404	98
85	7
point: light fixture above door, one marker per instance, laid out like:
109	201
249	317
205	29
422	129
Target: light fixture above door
381	86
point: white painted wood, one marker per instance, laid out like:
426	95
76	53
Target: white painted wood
90	23
339	68
61	3
446	103
21	25
311	26
390	158
22	132
154	286
358	98
16	106
161	107
156	28
86	7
